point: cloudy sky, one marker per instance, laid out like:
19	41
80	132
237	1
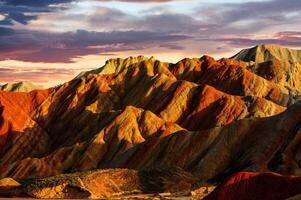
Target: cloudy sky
50	41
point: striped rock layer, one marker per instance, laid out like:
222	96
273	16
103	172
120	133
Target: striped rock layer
209	117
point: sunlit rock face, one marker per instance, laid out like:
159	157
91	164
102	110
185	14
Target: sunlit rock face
22	86
275	63
266	52
210	118
16	109
102	184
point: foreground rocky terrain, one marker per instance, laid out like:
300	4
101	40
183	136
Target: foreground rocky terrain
149	127
252	185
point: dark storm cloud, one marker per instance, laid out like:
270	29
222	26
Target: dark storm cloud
49	2
20	17
14	14
6	31
142	1
34	3
24	11
62	47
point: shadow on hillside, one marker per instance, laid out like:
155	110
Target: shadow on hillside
262	186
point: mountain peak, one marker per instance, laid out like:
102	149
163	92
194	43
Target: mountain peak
22	86
115	65
266	52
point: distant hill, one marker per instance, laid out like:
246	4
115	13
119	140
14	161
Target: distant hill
274	63
266	52
22	86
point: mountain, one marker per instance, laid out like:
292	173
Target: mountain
266	52
274	63
200	117
22	86
15	112
115	65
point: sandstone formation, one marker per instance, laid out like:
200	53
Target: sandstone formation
8	184
22	86
251	185
277	64
209	118
115	65
267	144
266	52
89	121
15	110
102	184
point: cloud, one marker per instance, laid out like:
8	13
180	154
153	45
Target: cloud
249	23
269	12
296	35
34	3
239	20
132	33
34	46
2	17
164	21
170	22
6	31
141	1
214	28
289	39
41	75
25	11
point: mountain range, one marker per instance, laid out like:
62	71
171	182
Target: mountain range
137	127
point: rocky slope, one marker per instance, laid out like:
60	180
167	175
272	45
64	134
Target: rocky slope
267	144
208	117
251	185
107	183
274	63
22	86
15	112
96	112
267	52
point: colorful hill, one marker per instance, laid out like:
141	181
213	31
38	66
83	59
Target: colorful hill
207	118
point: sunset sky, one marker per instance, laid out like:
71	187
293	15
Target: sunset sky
50	41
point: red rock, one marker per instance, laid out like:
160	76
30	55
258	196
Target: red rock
251	185
210	118
17	108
